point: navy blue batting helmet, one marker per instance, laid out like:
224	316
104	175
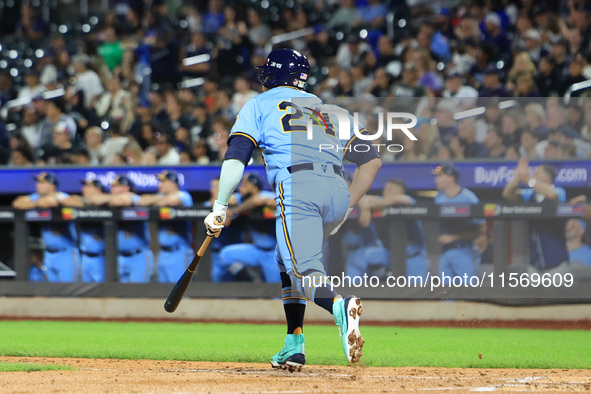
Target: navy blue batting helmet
285	67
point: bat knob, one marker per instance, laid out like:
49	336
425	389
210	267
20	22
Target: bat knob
219	220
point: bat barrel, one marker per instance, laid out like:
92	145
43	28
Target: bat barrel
177	293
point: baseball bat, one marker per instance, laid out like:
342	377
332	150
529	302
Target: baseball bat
177	293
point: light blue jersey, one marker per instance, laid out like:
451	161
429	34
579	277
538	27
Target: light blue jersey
135	257
303	143
92	252
459	257
465	196
176	232
175	244
581	255
276	121
60	258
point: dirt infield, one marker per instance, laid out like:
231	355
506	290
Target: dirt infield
146	376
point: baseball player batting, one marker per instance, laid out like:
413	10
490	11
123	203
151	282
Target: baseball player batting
312	196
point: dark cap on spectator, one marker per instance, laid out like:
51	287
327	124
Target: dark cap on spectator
168	175
94	182
568	132
447	169
539	9
354	38
490	70
47	177
255	180
122	180
31	71
470	42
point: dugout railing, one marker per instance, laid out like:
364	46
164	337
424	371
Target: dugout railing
509	234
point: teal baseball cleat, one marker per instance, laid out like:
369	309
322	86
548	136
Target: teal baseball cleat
292	356
346	313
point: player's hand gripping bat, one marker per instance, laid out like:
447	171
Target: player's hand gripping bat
177	293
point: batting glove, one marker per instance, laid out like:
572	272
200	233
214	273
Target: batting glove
214	222
336	229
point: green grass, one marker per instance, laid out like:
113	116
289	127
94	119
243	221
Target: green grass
385	346
24	367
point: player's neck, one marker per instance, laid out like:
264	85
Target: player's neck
453	191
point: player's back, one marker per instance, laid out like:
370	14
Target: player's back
277	120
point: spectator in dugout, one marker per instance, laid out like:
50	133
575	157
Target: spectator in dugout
134	262
459	255
60	256
579	252
253	261
548	252
230	236
174	236
92	236
394	193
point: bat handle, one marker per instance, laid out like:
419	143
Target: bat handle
204	245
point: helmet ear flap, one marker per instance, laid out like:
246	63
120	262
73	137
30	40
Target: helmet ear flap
265	78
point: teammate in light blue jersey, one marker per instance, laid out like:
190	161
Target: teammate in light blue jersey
60	257
92	235
312	197
459	256
394	193
174	236
244	260
579	252
135	258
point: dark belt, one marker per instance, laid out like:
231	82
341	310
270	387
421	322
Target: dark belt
310	166
128	254
170	248
456	245
90	254
54	250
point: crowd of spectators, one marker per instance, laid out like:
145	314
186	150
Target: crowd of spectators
161	82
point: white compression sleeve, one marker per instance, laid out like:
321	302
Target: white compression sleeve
230	176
